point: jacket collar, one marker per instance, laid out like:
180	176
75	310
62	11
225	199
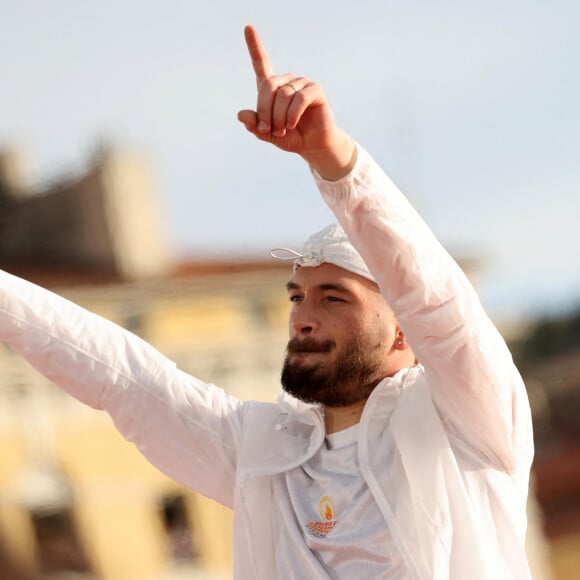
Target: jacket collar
297	431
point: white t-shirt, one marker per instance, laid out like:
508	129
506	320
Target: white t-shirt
327	505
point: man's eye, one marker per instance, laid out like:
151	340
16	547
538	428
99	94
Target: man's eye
333	299
295	298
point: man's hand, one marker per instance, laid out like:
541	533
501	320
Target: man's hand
293	114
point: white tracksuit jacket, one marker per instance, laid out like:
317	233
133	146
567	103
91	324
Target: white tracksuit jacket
448	469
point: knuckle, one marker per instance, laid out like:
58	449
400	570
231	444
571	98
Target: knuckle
269	84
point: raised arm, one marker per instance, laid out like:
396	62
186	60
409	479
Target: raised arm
474	383
183	426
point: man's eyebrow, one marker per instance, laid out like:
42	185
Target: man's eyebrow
336	287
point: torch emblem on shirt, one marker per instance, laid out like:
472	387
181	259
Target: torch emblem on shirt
327	512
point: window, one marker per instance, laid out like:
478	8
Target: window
180	537
58	546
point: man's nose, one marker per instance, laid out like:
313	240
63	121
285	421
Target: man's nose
304	320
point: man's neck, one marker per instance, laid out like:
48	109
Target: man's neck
339	418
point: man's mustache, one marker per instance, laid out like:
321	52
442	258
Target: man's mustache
297	345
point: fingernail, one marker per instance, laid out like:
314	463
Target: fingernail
262	126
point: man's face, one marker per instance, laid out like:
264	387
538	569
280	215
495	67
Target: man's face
341	332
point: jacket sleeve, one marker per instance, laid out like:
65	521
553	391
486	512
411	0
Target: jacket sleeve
474	384
184	427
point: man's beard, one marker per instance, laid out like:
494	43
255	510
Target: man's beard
348	379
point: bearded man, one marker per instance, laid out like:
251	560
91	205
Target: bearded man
402	445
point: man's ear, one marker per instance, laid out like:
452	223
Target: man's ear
400	340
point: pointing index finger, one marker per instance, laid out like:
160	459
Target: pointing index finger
260	59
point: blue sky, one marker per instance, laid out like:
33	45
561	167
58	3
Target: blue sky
471	107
